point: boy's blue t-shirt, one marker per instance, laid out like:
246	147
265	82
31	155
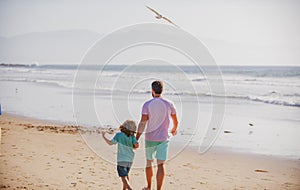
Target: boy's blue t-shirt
125	147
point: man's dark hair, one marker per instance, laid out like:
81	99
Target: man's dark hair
157	86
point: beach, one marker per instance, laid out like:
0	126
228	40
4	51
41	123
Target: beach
40	154
51	127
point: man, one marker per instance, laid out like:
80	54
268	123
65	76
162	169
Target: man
156	114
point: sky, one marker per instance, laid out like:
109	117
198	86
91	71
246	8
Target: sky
254	32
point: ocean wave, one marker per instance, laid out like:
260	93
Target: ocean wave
199	79
253	72
238	86
41	81
250	79
283	100
291	82
234	80
18	65
273	97
275	102
275	93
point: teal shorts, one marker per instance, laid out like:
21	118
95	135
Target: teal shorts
158	150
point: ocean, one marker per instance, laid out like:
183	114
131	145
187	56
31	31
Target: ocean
262	103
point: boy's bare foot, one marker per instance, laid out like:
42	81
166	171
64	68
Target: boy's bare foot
146	188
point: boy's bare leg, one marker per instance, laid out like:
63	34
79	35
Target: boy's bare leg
160	175
149	174
126	184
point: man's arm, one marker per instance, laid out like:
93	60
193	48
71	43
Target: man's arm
141	127
106	139
175	124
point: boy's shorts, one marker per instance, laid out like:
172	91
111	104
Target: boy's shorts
123	168
155	149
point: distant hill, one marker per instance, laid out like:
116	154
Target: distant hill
69	46
47	47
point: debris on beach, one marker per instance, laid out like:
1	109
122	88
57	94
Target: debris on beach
251	124
262	171
227	131
186	133
69	129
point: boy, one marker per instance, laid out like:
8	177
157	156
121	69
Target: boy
126	143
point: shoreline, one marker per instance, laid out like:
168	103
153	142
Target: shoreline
54	159
38	124
215	148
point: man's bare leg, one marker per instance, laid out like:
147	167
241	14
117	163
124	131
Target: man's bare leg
149	174
126	184
160	175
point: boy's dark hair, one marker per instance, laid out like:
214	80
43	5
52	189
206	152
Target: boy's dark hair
127	132
157	86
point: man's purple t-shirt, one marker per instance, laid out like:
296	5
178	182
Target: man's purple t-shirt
158	111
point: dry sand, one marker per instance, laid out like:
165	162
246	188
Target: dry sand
38	155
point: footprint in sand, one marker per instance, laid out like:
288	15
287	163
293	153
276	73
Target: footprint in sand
266	179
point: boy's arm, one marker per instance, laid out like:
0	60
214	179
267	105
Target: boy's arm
135	143
106	139
175	124
141	126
